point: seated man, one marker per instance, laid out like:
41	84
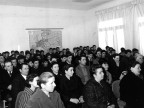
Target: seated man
46	97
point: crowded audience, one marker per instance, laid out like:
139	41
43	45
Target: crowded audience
82	78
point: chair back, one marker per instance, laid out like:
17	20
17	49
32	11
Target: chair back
116	88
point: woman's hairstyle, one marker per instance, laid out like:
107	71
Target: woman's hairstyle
53	63
43	79
30	79
133	64
115	55
94	68
66	67
103	61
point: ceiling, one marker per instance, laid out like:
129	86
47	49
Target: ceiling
62	4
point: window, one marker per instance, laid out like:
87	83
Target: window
141	33
111	33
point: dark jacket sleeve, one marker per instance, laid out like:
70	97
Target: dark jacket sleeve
15	87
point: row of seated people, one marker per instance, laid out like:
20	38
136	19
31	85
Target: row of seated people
96	93
112	64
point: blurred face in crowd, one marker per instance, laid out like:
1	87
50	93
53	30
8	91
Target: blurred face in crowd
99	75
45	63
69	59
49	57
55	68
136	69
82	61
139	59
34	82
69	72
103	54
24	70
21	61
8	66
1	59
63	59
105	66
30	63
27	56
128	54
49	85
32	51
116	58
36	64
14	62
98	54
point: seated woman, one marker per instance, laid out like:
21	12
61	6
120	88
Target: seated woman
24	96
46	97
97	93
71	88
55	71
132	87
107	74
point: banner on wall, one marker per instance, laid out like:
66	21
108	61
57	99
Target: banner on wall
45	38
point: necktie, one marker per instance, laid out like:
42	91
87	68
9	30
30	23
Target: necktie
10	73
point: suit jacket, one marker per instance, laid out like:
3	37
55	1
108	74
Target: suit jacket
18	85
80	73
6	79
40	100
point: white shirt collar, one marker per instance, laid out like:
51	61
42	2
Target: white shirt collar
24	76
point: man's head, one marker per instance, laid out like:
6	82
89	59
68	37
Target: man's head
2	59
82	60
69	58
14	61
36	63
8	66
24	69
139	58
97	72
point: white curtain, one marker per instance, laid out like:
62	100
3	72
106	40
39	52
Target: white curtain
131	27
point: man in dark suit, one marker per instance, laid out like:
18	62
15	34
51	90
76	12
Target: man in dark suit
7	76
19	82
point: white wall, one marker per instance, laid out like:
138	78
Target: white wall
79	26
15	20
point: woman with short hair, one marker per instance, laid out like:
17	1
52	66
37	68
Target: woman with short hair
132	87
71	88
97	93
46	97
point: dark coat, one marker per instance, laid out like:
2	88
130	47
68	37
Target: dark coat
70	89
5	81
132	91
98	95
40	100
18	85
